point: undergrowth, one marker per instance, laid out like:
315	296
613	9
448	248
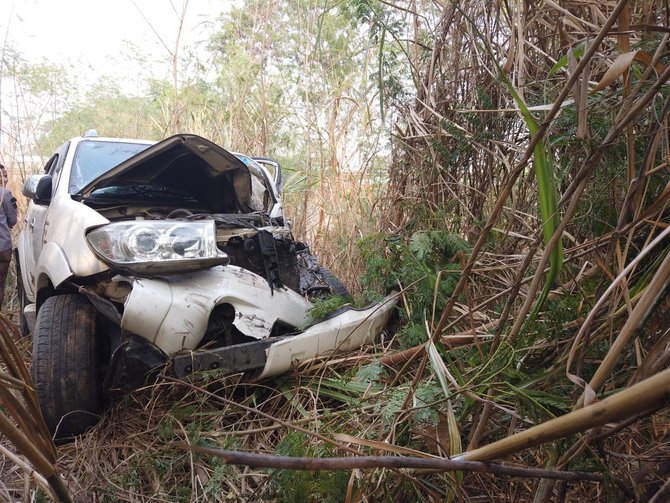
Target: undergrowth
291	486
426	265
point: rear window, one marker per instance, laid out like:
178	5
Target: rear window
94	158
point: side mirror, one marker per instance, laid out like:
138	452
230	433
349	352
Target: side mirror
38	188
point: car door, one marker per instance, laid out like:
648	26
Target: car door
274	168
31	239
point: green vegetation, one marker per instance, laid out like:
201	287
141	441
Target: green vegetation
297	486
325	307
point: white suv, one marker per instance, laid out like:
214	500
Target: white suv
135	254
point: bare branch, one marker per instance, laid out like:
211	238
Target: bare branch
361	462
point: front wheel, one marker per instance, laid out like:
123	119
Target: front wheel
334	284
65	367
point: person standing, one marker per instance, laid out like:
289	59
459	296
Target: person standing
7	221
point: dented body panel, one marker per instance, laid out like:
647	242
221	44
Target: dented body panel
173	312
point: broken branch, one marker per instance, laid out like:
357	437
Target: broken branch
350	463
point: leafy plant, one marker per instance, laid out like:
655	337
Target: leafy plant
304	486
325	307
427	263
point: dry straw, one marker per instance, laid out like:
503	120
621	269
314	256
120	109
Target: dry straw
27	432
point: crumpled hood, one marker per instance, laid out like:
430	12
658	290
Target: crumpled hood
188	163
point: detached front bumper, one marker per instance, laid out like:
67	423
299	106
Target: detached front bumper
343	332
172	313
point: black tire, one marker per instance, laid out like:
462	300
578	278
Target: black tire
335	285
65	367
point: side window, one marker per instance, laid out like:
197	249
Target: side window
58	161
51	164
61	152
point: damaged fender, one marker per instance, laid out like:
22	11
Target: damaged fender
172	312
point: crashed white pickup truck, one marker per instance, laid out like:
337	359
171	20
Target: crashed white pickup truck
135	254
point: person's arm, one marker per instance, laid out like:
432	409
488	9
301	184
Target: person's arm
9	205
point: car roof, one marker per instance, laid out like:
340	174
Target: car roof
111	139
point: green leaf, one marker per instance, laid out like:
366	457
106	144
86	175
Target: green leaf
547	197
577	52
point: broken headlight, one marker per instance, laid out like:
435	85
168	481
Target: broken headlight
157	247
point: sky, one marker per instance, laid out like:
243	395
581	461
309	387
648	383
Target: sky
93	36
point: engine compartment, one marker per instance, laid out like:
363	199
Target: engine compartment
253	242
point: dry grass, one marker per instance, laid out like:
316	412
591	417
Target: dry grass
130	455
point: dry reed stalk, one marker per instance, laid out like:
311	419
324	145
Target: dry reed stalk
647	301
574	195
27	432
362	462
651	394
423	120
502	198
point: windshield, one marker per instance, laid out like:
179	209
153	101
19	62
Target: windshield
123	192
94	158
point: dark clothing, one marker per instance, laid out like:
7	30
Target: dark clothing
5	259
7	221
7	218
